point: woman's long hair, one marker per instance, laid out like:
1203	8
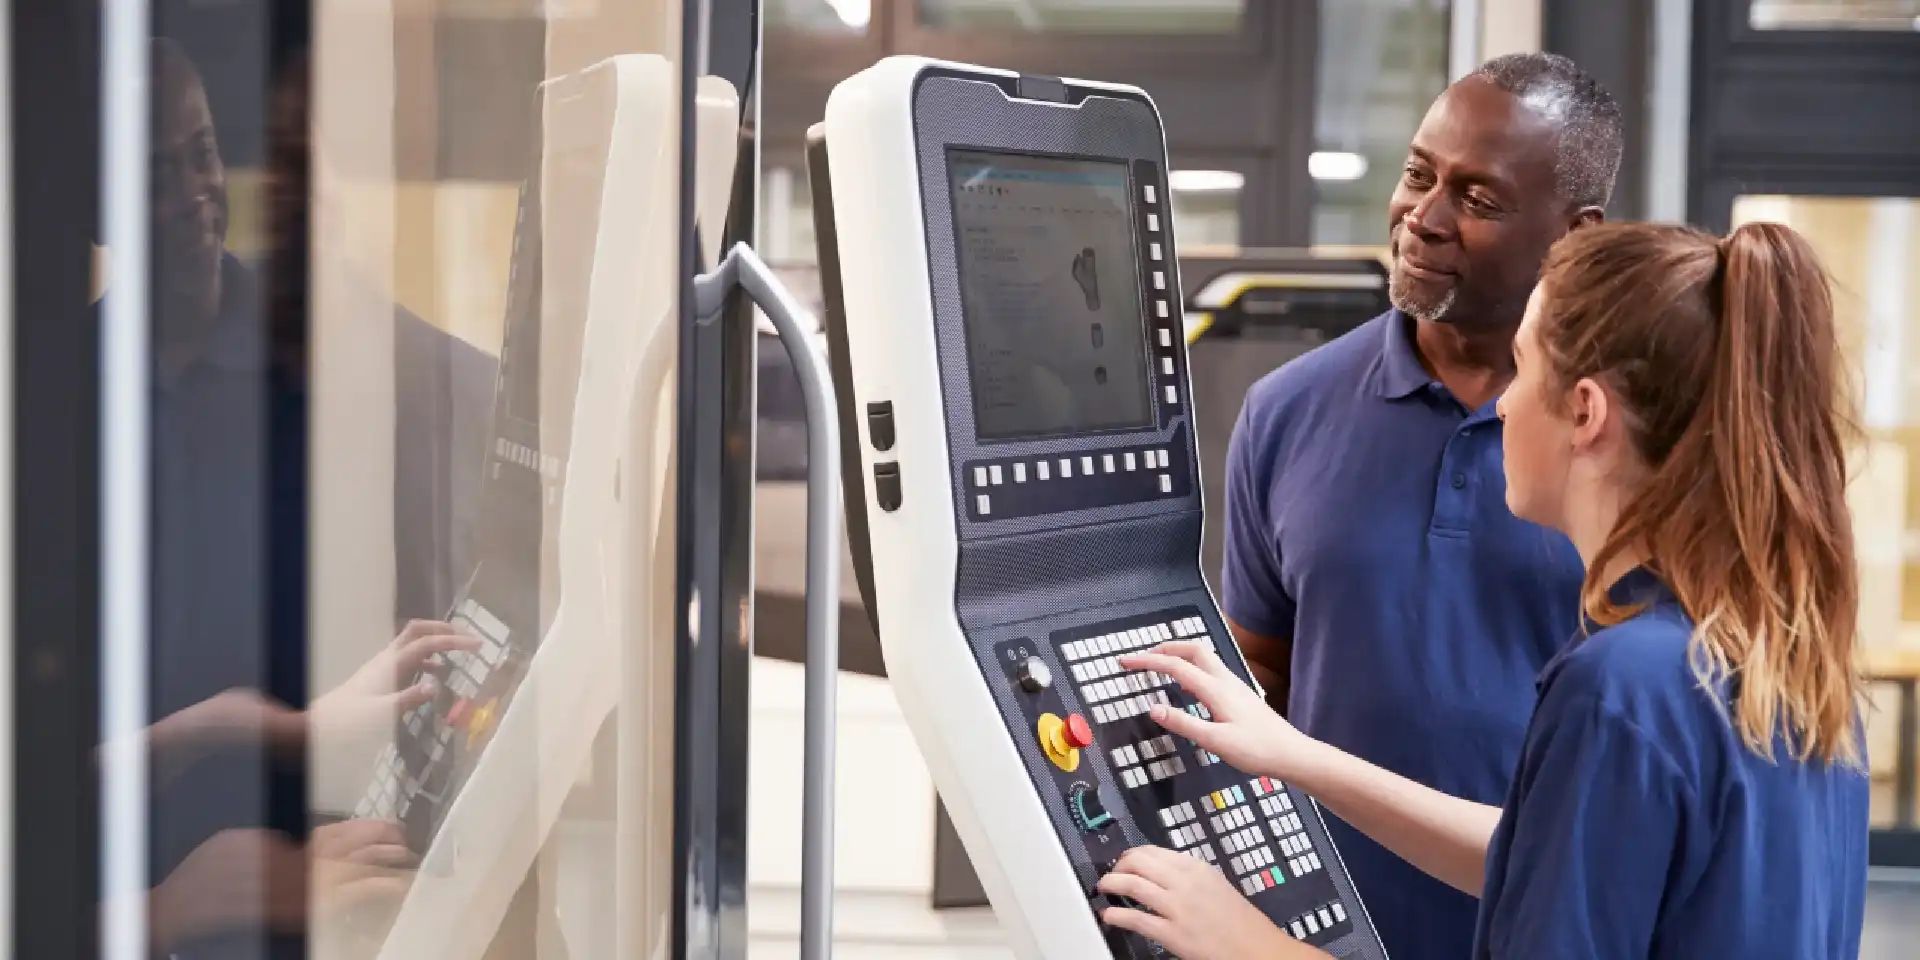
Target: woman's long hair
1725	356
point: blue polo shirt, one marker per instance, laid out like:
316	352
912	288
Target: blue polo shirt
1367	520
1640	825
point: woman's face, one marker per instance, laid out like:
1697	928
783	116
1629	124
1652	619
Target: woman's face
1538	441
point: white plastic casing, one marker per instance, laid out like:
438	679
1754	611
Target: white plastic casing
880	227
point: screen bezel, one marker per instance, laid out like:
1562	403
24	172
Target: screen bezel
1143	356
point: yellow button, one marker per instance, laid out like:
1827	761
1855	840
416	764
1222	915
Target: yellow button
480	723
1053	742
1218	802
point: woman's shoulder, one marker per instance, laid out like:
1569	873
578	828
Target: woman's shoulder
1637	672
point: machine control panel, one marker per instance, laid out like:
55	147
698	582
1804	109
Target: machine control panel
1036	504
1122	780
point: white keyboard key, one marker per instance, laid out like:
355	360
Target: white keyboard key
1086	466
1066	469
1166	336
985	503
1339	912
994	473
1128	458
1106	462
1019	473
1166	483
1043	470
979	476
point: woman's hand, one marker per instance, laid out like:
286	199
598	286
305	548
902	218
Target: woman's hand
1244	731
1196	914
383	688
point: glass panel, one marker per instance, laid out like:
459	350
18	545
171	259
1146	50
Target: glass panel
1869	245
1896	15
819	16
1381	64
414	342
1086	16
1206	208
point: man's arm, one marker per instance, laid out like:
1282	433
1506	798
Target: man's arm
1270	659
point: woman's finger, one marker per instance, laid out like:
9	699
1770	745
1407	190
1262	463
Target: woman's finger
417	650
1202	732
413	696
415	629
1190	677
1145	924
1133	886
389	855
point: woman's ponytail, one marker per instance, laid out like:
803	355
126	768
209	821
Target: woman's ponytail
1728	360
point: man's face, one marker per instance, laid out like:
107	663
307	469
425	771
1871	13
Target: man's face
189	194
1479	184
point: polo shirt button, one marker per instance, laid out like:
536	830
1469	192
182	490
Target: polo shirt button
1459	481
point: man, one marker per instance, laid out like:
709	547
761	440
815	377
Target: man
1382	592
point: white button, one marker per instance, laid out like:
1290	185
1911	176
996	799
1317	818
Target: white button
1246	886
1166	816
1042	469
1166	632
1159	280
1173	395
994	472
979	476
1153	250
1166	366
1179	765
1314	859
1019	473
1299	932
1166	337
1326	920
1132	757
1106	461
1128	460
1148	189
1066	468
1086	466
1166	484
1160	307
1153	222
1313	926
986	504
1339	912
1239	865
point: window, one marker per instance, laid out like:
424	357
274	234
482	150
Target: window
1086	16
1895	15
820	16
1206	208
1869	246
1381	64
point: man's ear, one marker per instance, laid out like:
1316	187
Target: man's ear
1586	217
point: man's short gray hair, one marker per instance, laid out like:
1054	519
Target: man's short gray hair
1591	139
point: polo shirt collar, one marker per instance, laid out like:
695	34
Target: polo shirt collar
1398	374
1637	587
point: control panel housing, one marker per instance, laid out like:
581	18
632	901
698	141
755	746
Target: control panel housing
1005	332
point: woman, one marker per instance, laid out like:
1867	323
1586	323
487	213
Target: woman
1692	781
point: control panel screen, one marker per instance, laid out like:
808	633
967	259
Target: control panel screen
1050	292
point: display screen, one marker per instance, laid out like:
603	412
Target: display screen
1050	291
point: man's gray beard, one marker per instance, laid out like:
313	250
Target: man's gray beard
1406	301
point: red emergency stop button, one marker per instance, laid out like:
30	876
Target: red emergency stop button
1078	732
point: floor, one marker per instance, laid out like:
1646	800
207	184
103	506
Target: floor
1893	916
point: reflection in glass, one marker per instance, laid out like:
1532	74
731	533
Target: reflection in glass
1869	245
1086	16
1382	62
1896	15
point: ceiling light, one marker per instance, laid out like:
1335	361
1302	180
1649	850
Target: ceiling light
1205	181
1336	165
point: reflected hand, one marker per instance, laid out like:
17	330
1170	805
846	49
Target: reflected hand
1196	913
253	879
1244	731
384	687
